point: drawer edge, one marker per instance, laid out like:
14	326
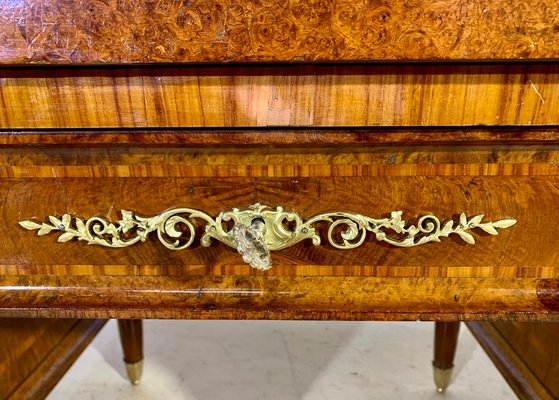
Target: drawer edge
275	297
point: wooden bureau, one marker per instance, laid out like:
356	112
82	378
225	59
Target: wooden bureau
125	110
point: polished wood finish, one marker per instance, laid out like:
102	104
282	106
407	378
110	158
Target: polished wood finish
35	353
273	297
524	353
305	138
446	339
536	344
131	339
372	180
439	138
144	31
297	96
26	343
547	294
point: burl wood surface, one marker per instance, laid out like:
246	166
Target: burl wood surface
296	96
144	31
273	297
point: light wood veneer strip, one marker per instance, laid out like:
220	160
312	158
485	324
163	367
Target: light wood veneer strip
304	96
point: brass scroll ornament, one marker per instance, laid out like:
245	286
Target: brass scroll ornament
258	229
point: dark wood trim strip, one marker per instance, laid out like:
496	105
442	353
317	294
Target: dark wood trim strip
307	137
548	294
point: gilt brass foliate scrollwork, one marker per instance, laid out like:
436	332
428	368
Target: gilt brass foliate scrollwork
258	229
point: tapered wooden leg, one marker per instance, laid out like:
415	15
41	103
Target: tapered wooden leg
131	338
446	339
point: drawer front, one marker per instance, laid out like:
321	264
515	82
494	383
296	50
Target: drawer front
371	182
509	254
512	272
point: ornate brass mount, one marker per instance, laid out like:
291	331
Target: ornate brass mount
258	229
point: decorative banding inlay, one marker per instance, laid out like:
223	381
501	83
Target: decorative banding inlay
259	229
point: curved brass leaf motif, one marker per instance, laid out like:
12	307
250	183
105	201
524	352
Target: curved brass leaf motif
176	228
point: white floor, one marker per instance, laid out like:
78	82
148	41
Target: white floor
286	360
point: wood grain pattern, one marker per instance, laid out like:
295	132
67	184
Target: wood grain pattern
131	339
444	347
273	297
36	353
26	344
498	260
418	180
548	294
320	138
500	173
298	96
143	31
536	344
524	354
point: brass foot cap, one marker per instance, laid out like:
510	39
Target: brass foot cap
442	378
134	371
